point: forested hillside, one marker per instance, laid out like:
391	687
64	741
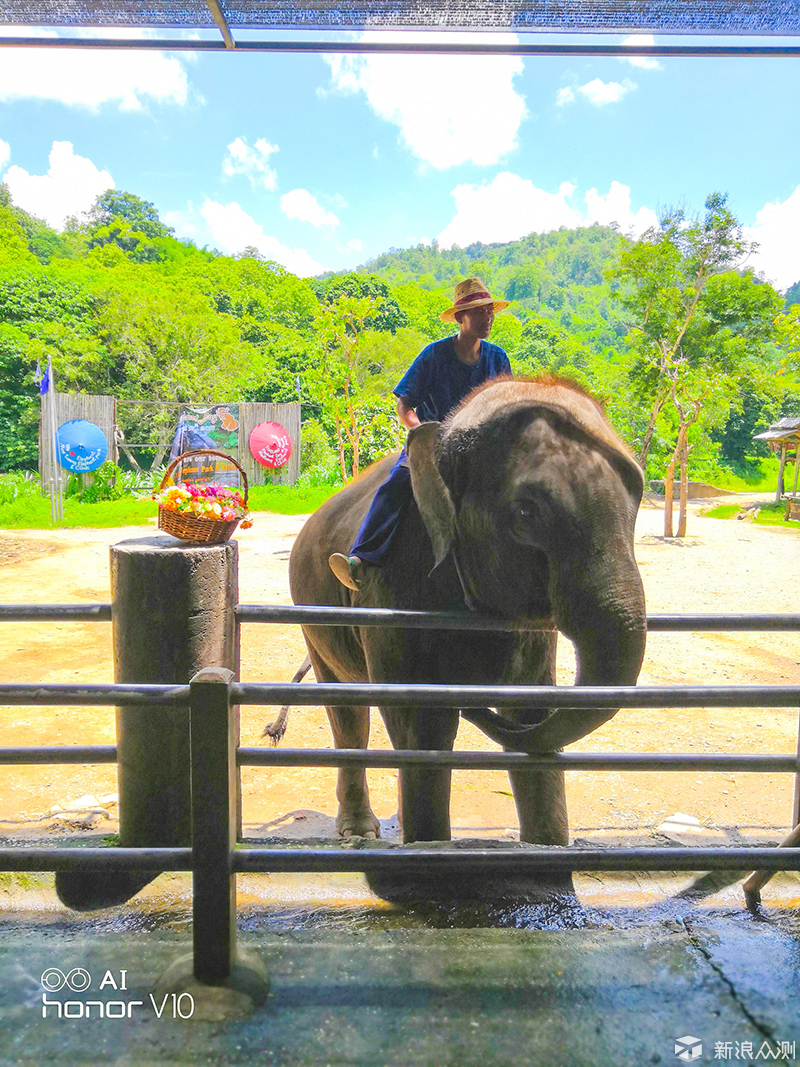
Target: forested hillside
670	331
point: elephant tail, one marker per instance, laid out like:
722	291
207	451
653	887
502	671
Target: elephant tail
275	730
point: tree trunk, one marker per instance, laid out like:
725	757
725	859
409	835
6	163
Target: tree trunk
669	481
340	446
356	454
668	488
684	488
641	458
131	458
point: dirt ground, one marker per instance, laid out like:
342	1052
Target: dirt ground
720	566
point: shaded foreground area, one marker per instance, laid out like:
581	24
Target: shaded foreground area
614	979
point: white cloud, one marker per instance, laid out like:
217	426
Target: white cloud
505	209
642	62
600	93
300	204
615	206
89	77
777	230
252	162
233	230
355	244
5	153
510	207
449	109
597	92
182	222
70	186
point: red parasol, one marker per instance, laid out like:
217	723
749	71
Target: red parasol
270	445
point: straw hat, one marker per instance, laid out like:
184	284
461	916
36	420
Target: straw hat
470	293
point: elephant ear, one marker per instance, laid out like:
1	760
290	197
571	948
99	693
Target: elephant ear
431	494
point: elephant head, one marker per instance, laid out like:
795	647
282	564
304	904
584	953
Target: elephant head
531	490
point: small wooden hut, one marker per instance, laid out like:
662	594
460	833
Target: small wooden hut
783	435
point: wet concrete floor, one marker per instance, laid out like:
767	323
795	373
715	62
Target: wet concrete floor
637	963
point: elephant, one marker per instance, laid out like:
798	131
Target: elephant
524	505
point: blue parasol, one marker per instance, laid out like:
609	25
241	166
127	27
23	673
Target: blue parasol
81	446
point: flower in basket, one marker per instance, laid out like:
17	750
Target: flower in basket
216	502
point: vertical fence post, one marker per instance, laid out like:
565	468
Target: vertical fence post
214	740
796	799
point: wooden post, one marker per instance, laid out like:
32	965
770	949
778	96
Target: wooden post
173	613
224	981
779	489
214	739
796	799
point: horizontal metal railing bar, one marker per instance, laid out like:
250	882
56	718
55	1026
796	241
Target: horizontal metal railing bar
484	48
426	620
295	614
513	860
388	860
504	761
92	695
60	754
417	620
512	696
55	612
446	696
95	859
698	622
490	761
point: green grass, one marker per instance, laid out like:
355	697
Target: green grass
289	499
32	511
724	511
770	515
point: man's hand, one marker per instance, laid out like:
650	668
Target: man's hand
408	416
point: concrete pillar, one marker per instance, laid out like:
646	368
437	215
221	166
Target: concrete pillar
173	613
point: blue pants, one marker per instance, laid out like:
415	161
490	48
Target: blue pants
382	521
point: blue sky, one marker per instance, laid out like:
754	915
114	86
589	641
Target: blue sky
324	162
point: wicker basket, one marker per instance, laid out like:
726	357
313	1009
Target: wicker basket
193	528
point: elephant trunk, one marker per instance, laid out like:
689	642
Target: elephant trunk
604	616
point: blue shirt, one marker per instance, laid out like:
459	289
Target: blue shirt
437	381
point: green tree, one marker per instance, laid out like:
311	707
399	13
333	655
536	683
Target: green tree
140	215
386	313
350	379
682	340
19	407
793	295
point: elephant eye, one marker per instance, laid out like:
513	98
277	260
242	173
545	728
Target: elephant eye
527	510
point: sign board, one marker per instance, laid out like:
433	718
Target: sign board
215	427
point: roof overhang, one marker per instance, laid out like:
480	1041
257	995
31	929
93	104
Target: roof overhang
231	18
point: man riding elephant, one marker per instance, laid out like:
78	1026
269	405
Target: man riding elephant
441	376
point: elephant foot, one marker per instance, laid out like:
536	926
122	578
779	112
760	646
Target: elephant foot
477	886
88	891
358	824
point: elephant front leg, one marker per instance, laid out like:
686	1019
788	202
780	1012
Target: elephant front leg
355	818
541	806
424	793
539	796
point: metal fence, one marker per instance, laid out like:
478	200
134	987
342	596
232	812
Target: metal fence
214	858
